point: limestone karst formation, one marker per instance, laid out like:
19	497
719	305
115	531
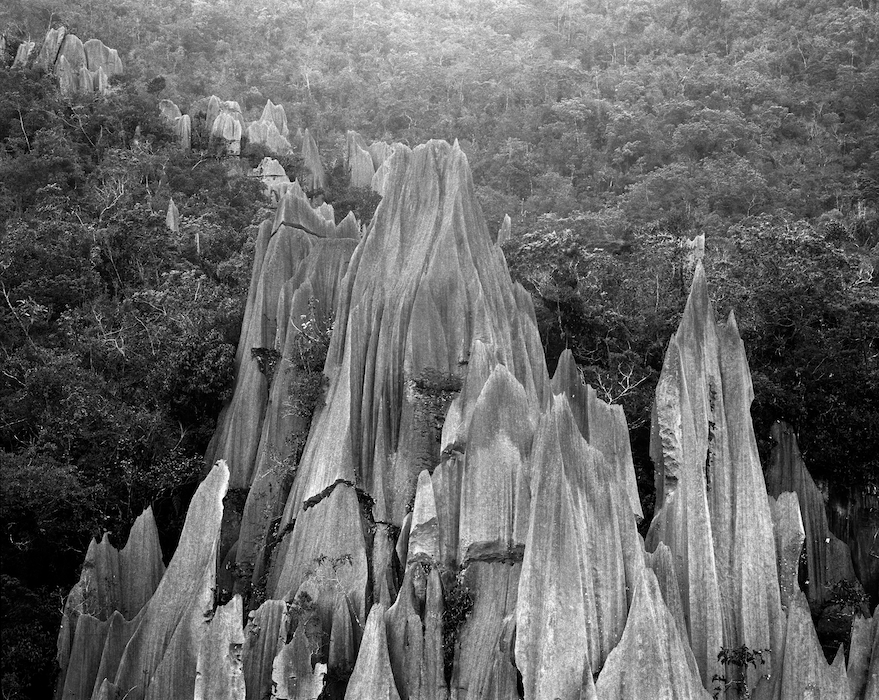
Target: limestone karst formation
271	130
447	521
77	66
179	122
828	559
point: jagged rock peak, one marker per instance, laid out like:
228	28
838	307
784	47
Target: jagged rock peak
828	559
602	425
712	511
652	656
359	161
276	115
172	217
316	178
23	53
425	283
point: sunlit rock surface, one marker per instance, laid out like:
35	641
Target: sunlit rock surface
712	510
453	524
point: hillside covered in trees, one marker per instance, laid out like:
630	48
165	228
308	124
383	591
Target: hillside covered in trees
609	132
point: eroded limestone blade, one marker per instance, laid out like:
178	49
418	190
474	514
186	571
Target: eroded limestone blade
160	658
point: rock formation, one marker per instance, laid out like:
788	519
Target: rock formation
315	180
359	161
23	53
273	177
445	521
226	128
78	67
828	560
712	511
270	130
172	217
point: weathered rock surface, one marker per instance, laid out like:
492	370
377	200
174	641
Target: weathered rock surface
172	217
219	673
863	666
271	130
98	56
789	539
159	660
518	570
712	511
372	678
828	559
602	425
653	658
400	343
316	178
23	53
359	161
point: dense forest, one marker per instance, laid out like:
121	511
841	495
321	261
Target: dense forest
609	132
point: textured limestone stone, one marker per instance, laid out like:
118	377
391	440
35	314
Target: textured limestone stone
860	651
828	560
553	658
273	176
85	658
803	671
380	151
399	339
503	234
118	634
226	129
662	564
653	659
264	637
219	671
97	56
23	53
183	131
424	536
372	678
789	539
169	111
432	681
72	51
212	111
854	518
499	435
385	568
602	425
85	80
159	660
405	630
359	161
288	256
111	581
310	290
265	132
712	511
293	675
102	82
67	76
316	178
276	114
323	561
172	217
482	667
51	46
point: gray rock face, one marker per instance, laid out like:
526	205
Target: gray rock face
712	510
457	526
828	559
